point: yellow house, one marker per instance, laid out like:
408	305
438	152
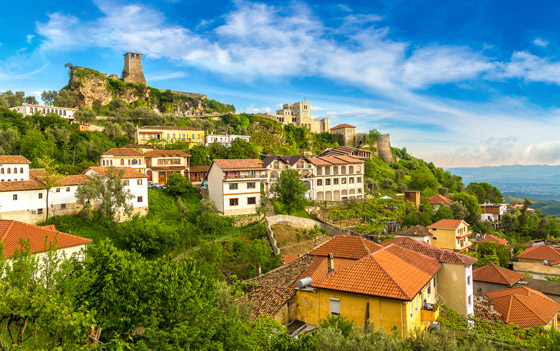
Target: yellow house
385	287
452	234
149	134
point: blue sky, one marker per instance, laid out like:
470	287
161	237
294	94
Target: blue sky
468	83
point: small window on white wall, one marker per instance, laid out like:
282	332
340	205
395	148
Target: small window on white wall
335	306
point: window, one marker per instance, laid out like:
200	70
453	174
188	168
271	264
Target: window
57	190
192	135
68	189
1	170
327	181
198	136
434	238
63	206
138	181
14	197
343	180
9	171
233	186
40	211
125	182
358	169
319	182
335	181
251	185
122	162
40	195
234	202
319	170
251	200
15	170
335	306
470	299
139	199
358	179
351	180
21	170
469	280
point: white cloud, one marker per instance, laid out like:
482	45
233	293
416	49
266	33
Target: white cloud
540	42
546	152
156	77
30	38
252	109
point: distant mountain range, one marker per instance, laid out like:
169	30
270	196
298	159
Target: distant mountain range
535	181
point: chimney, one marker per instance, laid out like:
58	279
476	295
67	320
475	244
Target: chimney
259	271
330	262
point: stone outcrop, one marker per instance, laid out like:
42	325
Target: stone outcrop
90	85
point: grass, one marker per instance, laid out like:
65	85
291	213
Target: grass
279	209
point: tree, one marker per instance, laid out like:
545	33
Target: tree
445	212
31	100
290	190
471	203
112	130
84	116
179	185
34	145
458	210
97	106
109	190
49	96
485	192
388	183
8	141
49	178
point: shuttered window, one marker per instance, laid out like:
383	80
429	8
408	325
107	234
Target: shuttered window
335	306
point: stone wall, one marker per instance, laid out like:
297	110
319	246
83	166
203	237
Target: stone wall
384	148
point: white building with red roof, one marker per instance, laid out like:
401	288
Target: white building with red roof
539	261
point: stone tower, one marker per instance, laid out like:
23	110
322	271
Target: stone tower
132	71
384	148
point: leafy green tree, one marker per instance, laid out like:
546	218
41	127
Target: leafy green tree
30	100
49	96
290	191
179	185
85	116
421	179
388	184
8	141
112	130
34	145
109	191
471	203
97	106
485	192
458	210
65	98
49	178
241	149
445	212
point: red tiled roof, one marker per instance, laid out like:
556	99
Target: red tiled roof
345	246
541	252
13	159
342	126
240	164
335	160
496	274
123	152
199	168
128	172
438	199
289	258
12	231
495	239
447	224
524	306
392	272
442	255
320	267
167	153
35	184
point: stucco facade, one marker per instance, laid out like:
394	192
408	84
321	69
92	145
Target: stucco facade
29	110
299	114
165	134
455	286
451	234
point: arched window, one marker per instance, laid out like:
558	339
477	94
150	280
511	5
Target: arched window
9	171
122	162
103	163
350	169
21	170
1	170
15	170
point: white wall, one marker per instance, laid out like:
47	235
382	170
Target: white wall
215	186
469	290
14	176
138	190
29	199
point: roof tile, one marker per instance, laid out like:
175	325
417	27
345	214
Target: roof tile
495	274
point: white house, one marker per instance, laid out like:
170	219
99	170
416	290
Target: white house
11	232
338	178
14	168
492	212
277	164
134	181
123	157
235	185
28	110
225	139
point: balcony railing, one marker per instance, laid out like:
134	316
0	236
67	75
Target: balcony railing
429	313
245	176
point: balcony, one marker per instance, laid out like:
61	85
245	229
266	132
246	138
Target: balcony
257	175
429	313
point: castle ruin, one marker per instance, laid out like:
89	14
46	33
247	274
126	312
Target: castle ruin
132	71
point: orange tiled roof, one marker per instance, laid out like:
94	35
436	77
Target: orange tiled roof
345	246
13	159
524	306
438	199
320	267
289	258
123	152
442	255
541	252
35	184
12	231
342	126
495	274
447	224
495	239
167	153
240	164
128	172
392	272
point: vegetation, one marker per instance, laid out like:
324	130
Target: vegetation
290	191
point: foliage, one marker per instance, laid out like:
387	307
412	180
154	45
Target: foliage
106	192
49	178
179	185
290	190
471	204
485	192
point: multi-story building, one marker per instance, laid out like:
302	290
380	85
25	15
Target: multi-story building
492	212
337	178
29	110
123	157
134	181
161	163
299	114
14	168
451	234
277	164
235	185
224	139
163	134
347	133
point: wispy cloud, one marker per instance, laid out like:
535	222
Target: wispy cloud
159	76
541	42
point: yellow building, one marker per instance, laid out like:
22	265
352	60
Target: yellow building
151	134
452	234
385	287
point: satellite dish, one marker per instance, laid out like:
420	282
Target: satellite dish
545	262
